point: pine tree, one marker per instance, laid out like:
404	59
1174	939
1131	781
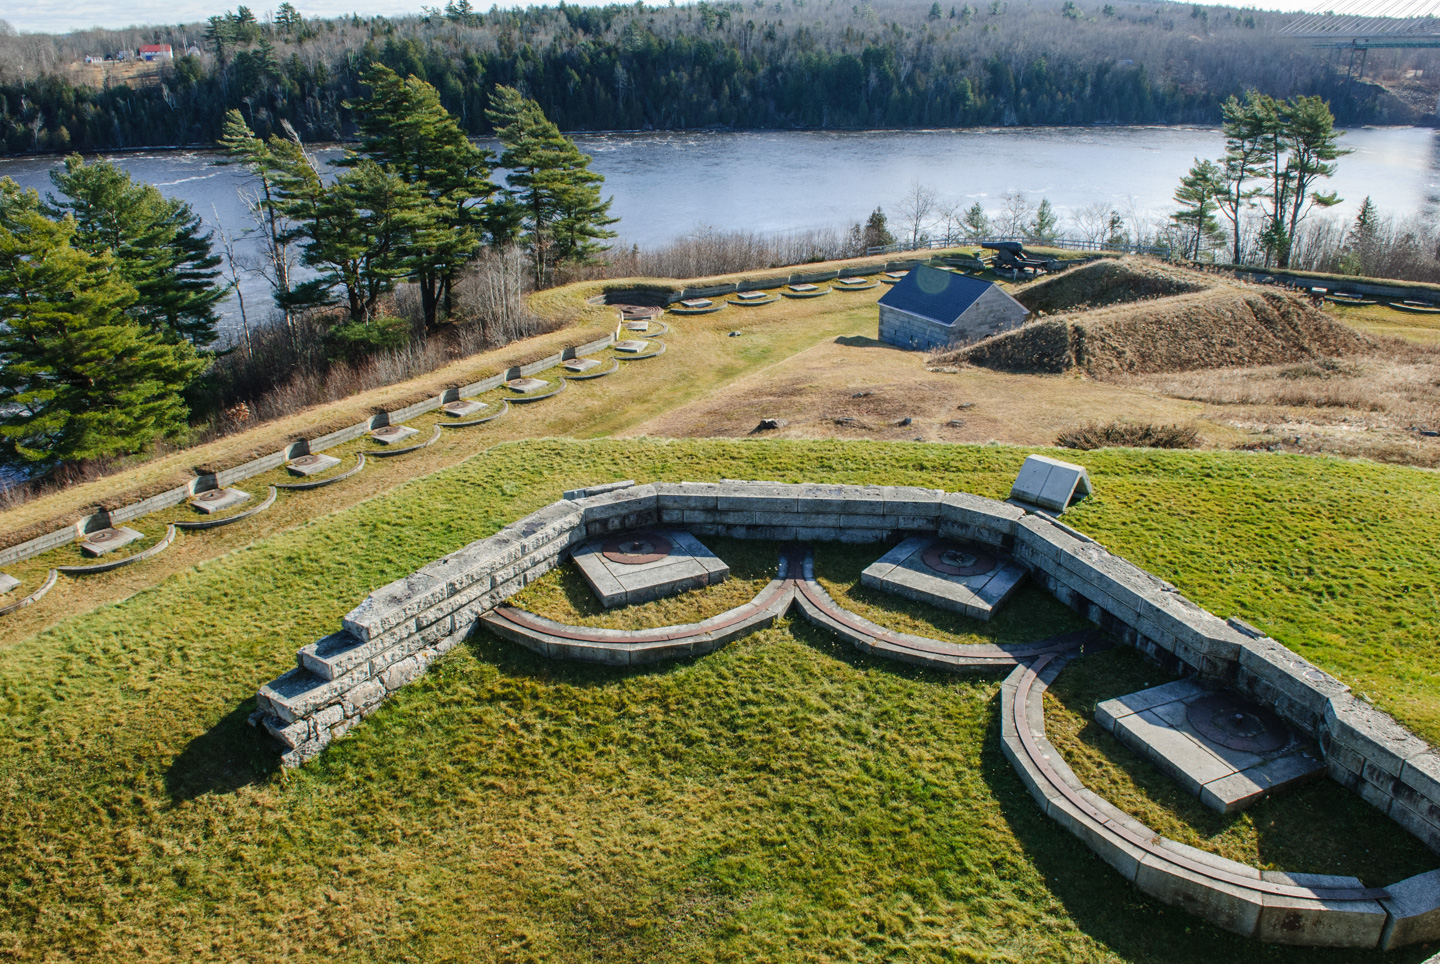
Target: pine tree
360	237
550	184
79	378
1198	194
877	230
1046	226
1360	242
977	222
1312	145
406	128
1247	154
159	244
274	165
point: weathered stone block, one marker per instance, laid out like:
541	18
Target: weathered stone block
393	604
1358	726
846	500
330	657
1321	923
362	697
297	694
1294	677
685	495
401	673
618	504
1414	908
290	734
1227	906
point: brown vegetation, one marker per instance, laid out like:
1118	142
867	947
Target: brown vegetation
1384	406
1212	323
1139	435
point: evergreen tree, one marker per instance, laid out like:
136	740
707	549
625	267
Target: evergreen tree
977	222
1312	146
1046	226
1360	242
1198	195
405	127
550	185
287	17
274	165
1247	153
79	378
360	235
877	230
159	244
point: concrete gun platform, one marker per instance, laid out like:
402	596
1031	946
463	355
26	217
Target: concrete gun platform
637	567
312	464
218	500
1223	749
108	540
964	577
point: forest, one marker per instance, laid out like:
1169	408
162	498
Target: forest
761	64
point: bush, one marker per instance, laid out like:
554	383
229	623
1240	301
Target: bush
1093	435
355	340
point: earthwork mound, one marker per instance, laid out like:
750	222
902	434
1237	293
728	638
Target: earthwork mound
1135	316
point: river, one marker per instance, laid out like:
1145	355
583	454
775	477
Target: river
666	184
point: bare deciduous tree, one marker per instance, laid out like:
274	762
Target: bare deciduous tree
1016	215
917	209
1091	223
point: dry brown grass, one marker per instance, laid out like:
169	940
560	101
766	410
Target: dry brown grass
1121	434
1378	406
1205	321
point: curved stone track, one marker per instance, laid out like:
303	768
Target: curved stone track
794	586
1273	906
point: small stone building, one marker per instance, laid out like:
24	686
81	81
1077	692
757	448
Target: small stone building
930	308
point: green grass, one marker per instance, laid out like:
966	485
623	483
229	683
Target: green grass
1320	828
1032	614
564	596
782	799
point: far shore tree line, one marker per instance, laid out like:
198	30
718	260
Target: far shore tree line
407	253
780	64
1254	205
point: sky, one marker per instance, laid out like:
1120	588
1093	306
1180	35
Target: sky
57	16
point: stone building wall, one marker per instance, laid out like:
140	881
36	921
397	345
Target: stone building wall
992	313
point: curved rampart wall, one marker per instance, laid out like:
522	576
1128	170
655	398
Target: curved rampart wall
227	477
393	635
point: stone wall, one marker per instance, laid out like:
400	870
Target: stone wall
228	477
394	634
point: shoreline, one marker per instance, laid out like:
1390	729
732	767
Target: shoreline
690	131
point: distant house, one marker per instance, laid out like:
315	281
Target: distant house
151	52
930	308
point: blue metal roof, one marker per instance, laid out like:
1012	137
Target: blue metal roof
939	296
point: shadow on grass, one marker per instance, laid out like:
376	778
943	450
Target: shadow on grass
860	341
230	755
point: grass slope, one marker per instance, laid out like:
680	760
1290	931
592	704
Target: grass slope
783	799
1152	317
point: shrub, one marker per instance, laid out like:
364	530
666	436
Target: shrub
353	340
1093	435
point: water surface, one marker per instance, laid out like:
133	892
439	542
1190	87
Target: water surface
666	184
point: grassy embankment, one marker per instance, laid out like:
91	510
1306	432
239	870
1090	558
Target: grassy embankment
782	799
700	359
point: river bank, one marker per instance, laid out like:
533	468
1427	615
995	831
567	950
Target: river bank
667	185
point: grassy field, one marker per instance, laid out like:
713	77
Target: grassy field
782	799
